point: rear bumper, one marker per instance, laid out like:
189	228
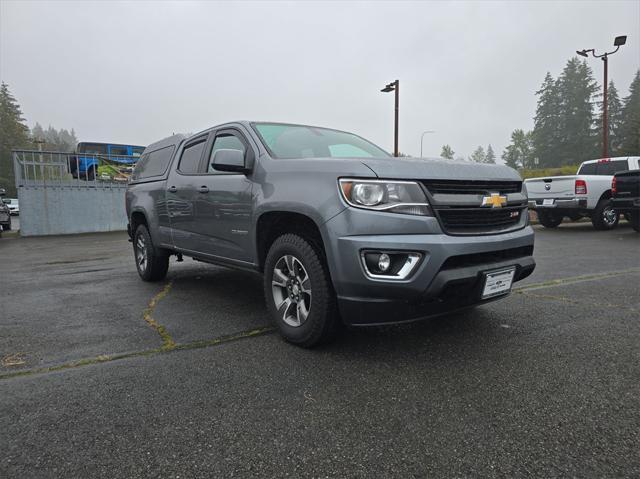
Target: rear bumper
569	203
626	205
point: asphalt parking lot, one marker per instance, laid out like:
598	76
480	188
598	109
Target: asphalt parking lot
103	375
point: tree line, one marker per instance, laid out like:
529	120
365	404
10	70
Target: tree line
568	123
15	134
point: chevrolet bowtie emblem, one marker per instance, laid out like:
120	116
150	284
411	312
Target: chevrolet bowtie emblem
494	201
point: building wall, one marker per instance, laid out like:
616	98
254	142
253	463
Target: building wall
59	210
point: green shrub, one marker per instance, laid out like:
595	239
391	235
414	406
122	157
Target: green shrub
544	172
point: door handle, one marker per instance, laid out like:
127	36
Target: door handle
172	189
203	189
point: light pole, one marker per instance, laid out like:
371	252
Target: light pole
422	138
394	86
618	42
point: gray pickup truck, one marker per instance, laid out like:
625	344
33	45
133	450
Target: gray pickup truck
342	232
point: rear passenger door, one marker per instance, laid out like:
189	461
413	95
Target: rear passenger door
182	192
223	202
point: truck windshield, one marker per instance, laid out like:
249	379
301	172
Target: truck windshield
299	141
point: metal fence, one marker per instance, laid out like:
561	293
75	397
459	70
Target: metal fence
55	168
58	196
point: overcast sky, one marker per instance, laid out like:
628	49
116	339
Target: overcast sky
135	72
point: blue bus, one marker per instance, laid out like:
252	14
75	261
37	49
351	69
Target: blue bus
89	156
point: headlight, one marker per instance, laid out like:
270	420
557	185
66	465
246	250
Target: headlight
406	197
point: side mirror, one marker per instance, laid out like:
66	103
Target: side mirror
2	192
229	160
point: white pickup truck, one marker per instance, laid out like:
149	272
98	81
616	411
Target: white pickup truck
587	193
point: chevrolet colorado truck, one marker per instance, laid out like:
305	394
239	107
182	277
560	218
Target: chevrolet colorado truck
341	231
586	194
625	195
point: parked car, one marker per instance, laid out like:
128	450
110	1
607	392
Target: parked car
625	192
586	194
5	214
13	204
340	230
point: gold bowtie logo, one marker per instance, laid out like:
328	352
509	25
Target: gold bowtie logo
494	201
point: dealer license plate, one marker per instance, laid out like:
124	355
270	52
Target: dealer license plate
498	282
548	202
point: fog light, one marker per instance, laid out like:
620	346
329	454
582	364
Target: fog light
390	265
384	262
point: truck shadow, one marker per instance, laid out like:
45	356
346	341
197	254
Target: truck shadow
211	301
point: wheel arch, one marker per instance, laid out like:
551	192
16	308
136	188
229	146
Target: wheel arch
272	224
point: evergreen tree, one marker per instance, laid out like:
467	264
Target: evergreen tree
490	157
520	153
13	134
546	130
630	127
578	138
614	114
55	140
447	152
478	155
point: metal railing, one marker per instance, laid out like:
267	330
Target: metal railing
83	170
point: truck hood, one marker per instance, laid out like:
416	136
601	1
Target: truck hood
438	169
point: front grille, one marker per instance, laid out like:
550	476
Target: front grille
472	187
465	260
480	220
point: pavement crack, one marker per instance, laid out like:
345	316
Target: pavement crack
104	358
167	341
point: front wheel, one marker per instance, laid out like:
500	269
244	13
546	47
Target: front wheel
549	219
152	265
298	291
604	216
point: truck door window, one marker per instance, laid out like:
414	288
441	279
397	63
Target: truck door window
190	158
225	141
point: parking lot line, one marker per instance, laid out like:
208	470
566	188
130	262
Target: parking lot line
575	279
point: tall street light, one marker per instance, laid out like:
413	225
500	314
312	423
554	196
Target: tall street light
422	138
394	86
618	42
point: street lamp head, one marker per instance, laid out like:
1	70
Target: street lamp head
582	53
387	89
619	41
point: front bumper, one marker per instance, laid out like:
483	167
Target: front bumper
559	203
449	276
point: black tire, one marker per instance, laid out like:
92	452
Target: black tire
92	173
152	264
7	227
549	219
604	217
321	322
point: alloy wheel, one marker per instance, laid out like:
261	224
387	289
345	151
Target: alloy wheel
141	253
291	288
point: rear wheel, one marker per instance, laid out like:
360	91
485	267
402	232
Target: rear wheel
152	264
7	227
549	219
299	292
604	216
